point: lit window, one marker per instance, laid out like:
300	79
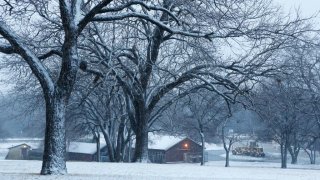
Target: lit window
186	145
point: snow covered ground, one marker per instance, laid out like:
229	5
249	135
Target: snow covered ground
242	168
28	170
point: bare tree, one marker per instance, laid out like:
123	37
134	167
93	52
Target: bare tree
101	109
228	132
305	61
65	20
51	30
197	115
228	139
282	106
60	31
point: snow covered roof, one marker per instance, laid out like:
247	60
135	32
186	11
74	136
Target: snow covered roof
24	145
16	144
10	143
82	147
163	142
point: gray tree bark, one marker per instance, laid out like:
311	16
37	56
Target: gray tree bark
54	156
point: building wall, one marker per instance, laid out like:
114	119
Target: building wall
35	154
156	156
80	157
182	153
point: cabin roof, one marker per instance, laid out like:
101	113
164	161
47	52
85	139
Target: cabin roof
84	148
23	144
164	142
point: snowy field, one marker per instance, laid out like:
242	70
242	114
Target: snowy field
251	168
28	170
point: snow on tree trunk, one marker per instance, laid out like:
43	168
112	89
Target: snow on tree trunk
54	156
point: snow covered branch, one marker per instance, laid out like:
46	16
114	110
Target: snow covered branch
50	53
91	14
160	24
143	4
33	61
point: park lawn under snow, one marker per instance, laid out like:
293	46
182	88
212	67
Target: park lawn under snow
213	170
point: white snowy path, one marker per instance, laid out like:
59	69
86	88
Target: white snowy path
28	170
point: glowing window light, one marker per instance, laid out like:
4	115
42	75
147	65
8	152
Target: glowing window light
186	145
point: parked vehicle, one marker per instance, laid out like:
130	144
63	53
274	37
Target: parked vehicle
251	150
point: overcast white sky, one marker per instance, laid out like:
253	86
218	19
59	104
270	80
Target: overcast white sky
307	7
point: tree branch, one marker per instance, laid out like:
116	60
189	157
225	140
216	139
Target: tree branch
7	49
49	54
89	16
160	24
38	69
148	7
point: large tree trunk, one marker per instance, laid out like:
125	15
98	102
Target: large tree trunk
141	130
141	147
120	142
294	159
294	152
54	156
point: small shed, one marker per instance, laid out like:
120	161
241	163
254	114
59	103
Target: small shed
170	149
18	152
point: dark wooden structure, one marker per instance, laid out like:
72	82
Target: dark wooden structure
183	150
80	151
77	151
84	156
